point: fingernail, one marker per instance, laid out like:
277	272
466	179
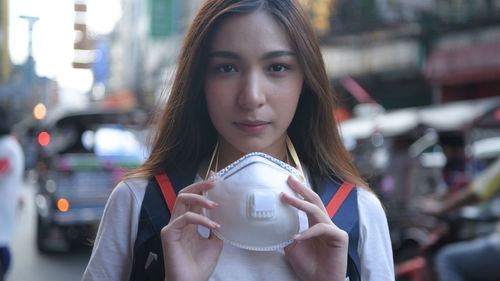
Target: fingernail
214	204
211	181
297	236
215	225
283	196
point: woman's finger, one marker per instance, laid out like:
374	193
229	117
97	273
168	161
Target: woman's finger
331	234
189	218
304	191
198	187
314	212
191	202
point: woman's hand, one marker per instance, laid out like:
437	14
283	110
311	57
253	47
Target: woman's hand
188	255
320	252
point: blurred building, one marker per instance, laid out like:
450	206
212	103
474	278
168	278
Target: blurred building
411	52
145	45
20	87
401	53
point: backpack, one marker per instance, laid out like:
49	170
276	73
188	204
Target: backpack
340	201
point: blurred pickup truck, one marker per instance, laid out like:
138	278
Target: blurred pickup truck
81	157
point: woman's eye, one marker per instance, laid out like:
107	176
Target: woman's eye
226	68
278	68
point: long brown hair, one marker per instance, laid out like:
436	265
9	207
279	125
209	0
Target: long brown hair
185	135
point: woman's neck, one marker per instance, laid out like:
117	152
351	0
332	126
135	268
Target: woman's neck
227	153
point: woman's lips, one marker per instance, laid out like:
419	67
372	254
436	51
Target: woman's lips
252	127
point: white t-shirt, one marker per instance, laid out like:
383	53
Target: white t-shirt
11	176
112	255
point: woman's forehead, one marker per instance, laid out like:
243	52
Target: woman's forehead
258	30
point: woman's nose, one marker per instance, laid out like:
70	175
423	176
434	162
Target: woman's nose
251	94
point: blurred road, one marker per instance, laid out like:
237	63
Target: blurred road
28	263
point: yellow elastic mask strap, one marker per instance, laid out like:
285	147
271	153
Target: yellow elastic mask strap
294	155
214	154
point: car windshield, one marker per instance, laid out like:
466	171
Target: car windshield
114	140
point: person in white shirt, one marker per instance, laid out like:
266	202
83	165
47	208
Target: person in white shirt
11	176
250	76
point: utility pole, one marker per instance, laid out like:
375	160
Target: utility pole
4	27
29	66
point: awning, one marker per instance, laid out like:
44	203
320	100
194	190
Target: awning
453	116
457	115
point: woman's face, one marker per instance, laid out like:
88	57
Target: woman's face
253	84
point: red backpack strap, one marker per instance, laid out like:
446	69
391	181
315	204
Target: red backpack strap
342	207
167	190
339	198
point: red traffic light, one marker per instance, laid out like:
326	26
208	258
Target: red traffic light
44	138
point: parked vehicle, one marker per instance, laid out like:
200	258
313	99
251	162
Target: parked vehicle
403	156
481	147
82	155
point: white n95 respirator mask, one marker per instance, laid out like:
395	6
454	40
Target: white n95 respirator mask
251	213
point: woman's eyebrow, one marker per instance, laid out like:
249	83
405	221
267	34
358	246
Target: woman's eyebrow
224	54
266	56
275	54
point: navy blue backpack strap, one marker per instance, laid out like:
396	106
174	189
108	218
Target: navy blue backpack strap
346	217
155	214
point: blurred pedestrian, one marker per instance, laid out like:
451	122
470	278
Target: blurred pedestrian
250	80
454	171
11	176
476	259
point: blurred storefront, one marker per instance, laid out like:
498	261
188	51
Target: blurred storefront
466	65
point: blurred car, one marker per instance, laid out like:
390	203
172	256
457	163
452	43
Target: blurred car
82	155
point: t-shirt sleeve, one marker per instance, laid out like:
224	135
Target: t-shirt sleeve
112	253
374	248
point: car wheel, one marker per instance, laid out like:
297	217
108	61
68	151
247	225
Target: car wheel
49	239
41	234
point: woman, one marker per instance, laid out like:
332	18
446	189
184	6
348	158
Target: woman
250	73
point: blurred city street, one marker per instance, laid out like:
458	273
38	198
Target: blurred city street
29	263
416	84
